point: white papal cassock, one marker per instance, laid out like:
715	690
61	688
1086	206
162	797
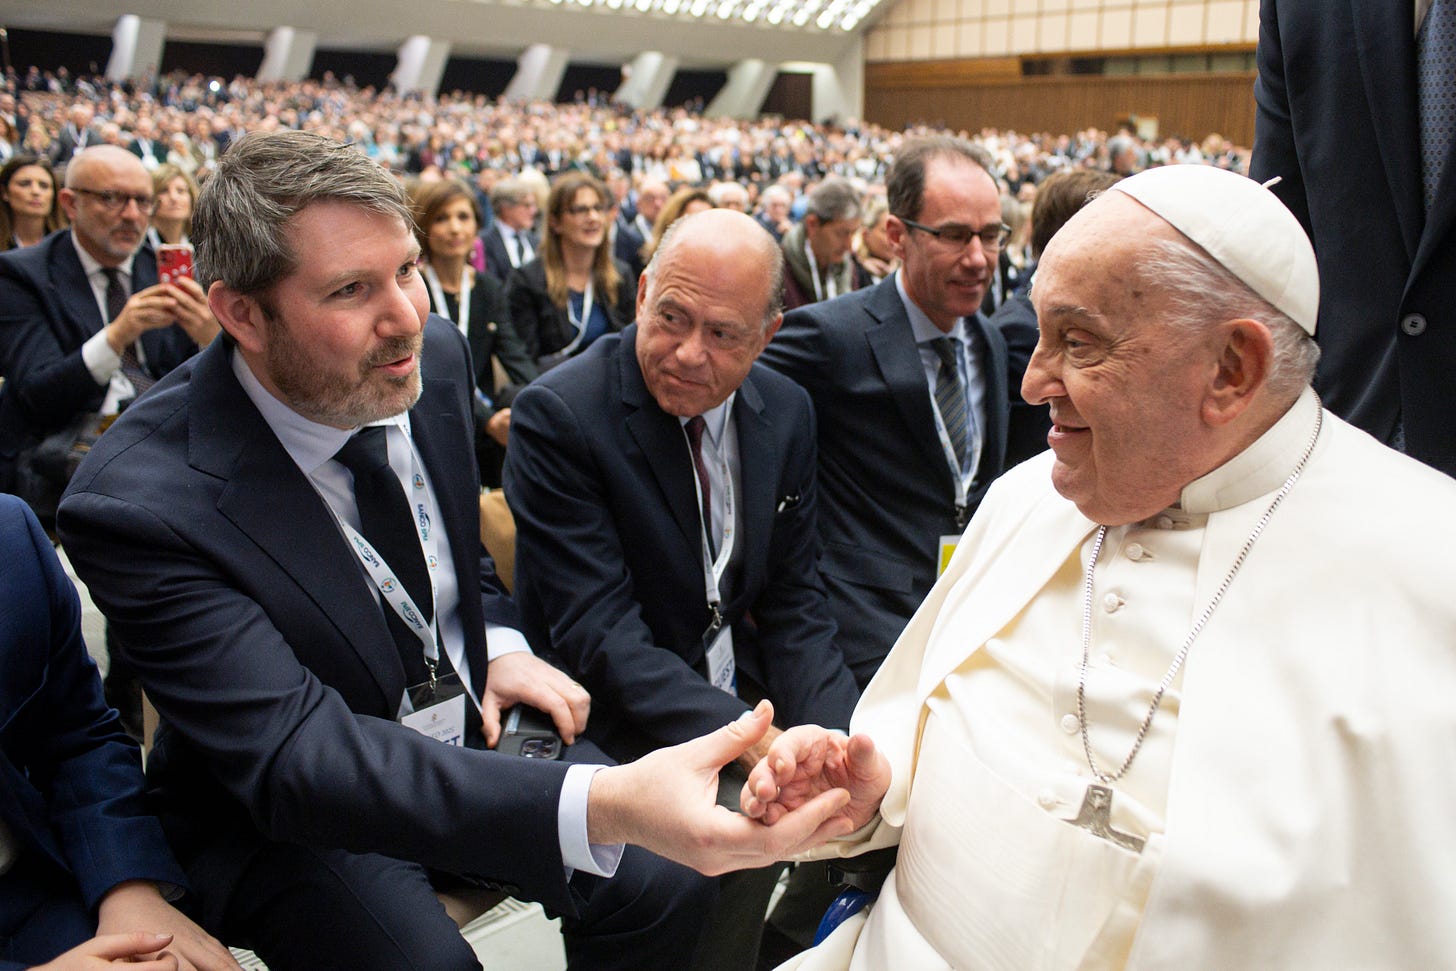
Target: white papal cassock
1297	790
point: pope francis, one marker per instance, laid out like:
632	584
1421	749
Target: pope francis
1186	695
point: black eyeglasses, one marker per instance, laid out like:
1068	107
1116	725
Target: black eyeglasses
600	209
959	237
117	201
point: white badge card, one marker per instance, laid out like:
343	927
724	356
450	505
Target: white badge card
947	550
439	710
722	669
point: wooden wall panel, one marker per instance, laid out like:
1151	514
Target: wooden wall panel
950	94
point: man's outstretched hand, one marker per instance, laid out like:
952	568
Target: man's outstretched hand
667	802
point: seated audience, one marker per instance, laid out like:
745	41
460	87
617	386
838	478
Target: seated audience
510	240
1250	788
446	224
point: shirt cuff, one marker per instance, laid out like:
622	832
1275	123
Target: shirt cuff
99	358
501	640
598	859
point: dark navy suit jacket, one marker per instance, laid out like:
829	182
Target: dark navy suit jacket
70	778
609	562
47	311
264	647
887	490
1336	122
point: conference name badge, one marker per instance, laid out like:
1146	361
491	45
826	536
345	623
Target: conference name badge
439	713
947	550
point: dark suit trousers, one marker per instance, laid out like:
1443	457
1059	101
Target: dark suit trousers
313	908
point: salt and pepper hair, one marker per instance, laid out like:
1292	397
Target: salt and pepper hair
832	200
1203	292
771	258
241	226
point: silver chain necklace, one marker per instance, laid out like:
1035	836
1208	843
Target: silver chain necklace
1108	778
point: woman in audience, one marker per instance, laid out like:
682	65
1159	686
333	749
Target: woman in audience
574	291
683	202
447	221
28	206
176	195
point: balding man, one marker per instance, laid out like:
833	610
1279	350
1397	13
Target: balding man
663	487
1184	695
84	324
678	580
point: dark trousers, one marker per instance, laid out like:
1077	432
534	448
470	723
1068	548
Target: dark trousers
301	907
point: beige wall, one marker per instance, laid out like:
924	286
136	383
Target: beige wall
915	30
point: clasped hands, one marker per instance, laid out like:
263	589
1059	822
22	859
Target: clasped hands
811	786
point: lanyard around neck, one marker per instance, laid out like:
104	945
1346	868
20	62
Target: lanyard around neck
580	323
390	589
829	288
437	292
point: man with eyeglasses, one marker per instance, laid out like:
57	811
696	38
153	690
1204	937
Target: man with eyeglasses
909	383
85	327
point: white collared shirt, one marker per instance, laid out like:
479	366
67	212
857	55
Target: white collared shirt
98	356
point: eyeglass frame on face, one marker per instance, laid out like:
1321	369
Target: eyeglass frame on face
948	234
116	202
601	209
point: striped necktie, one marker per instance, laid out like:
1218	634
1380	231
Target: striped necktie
950	396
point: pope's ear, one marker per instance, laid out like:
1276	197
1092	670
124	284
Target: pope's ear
239	314
1244	356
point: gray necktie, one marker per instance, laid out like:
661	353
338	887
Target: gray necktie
950	397
1436	91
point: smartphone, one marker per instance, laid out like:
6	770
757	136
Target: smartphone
174	261
530	734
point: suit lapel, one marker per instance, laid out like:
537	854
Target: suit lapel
893	346
1385	44
270	501
758	458
996	398
660	437
81	314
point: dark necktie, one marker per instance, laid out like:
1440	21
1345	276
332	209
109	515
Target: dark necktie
514	243
950	397
694	429
388	524
1436	92
131	365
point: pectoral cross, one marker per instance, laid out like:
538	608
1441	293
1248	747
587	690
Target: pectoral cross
1095	816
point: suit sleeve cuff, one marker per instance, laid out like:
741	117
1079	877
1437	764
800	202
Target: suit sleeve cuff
99	358
598	859
501	640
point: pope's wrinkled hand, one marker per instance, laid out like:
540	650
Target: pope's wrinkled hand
807	761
